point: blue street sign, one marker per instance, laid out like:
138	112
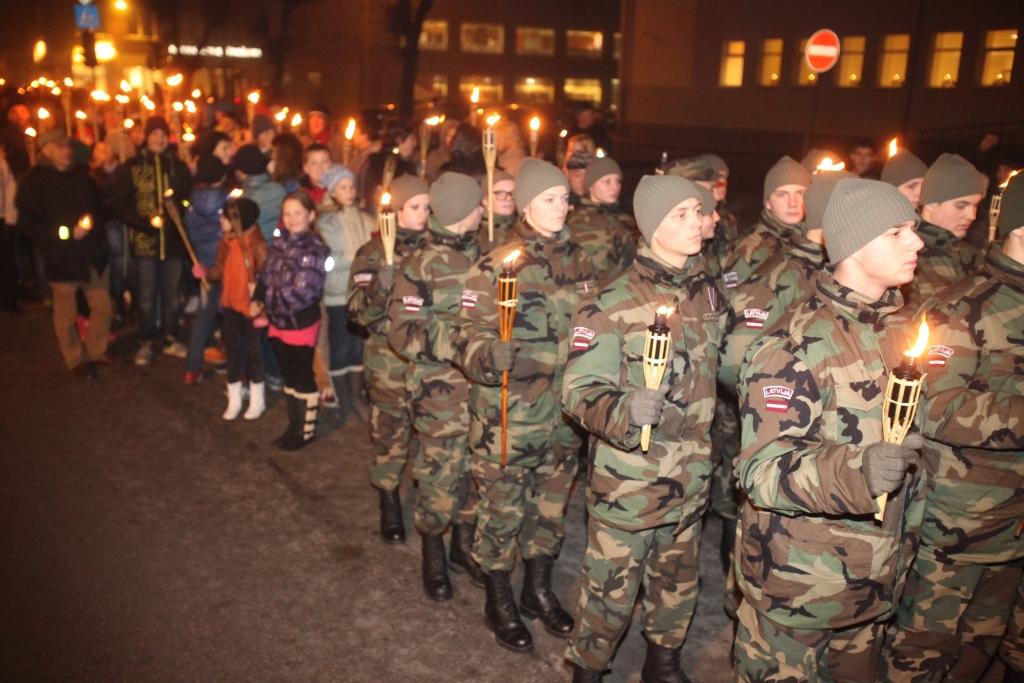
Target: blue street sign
87	17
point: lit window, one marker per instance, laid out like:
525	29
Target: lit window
850	70
491	88
535	41
892	71
431	86
771	61
489	38
616	102
532	90
616	45
584	43
434	35
804	75
945	68
583	90
731	73
998	63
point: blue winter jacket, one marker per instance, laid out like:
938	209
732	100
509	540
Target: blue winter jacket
203	222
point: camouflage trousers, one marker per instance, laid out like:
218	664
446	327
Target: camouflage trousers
725	446
950	620
391	433
445	491
1011	650
524	507
662	561
766	652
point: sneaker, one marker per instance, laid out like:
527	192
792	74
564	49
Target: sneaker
192	378
175	348
144	356
214	356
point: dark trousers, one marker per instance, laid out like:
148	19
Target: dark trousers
241	345
345	343
159	285
296	366
8	268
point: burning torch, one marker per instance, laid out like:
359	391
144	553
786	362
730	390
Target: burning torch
387	224
346	145
172	210
426	133
490	151
30	145
534	135
508	299
657	345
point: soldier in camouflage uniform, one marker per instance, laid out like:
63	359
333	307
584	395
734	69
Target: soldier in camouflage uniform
949	204
606	232
422	313
960	592
522	506
905	172
504	211
819	576
370	285
727	230
1011	651
645	509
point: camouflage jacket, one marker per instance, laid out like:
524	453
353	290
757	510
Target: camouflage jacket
553	275
608	235
629	489
423	312
809	553
753	247
367	300
726	235
502	232
972	414
783	280
944	261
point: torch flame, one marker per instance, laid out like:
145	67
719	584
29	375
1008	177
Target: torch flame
664	310
564	134
350	129
511	258
433	120
296	120
922	340
122	99
147	103
827	164
492	120
475	96
600	153
175	80
68	83
197	93
125	86
893	148
86	222
236	193
535	123
385	199
177	106
129	124
254	97
56	91
81	115
1007	181
43	114
281	116
31	132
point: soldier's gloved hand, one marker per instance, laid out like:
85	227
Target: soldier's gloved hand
884	464
386	276
504	355
645	406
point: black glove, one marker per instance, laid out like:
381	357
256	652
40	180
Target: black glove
504	355
386	277
884	464
645	406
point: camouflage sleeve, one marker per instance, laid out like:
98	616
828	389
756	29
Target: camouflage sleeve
478	324
959	407
409	312
784	464
591	394
367	300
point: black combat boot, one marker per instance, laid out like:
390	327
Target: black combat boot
538	600
502	616
662	665
307	409
436	584
581	675
460	553
392	530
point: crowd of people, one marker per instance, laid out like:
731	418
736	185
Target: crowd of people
686	362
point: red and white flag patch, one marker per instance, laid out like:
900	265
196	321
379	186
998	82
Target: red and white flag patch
938	355
776	398
581	337
731	279
469	297
412	303
755	317
363	279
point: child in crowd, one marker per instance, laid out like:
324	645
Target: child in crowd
315	162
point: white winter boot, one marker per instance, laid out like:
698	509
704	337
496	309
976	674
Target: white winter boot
257	402
234	401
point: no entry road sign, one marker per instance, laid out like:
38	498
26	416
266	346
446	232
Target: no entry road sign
822	51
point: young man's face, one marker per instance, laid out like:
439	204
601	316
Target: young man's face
890	259
861	159
955	215
414	213
680	232
787	203
157	141
316	165
546	213
709	219
223	152
577	178
912	191
265	139
504	205
606	189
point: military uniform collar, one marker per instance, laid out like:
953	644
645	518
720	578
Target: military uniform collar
407	237
653	269
855	306
442	235
1005	268
530	236
798	246
776	227
614	207
934	236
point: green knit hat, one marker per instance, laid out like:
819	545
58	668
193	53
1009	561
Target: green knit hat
599	168
692	168
817	195
453	196
951	176
717	164
904	166
859	211
655	196
786	171
1011	207
536	176
403	188
499	175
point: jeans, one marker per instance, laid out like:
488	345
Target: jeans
159	284
120	261
203	325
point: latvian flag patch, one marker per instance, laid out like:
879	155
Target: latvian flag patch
755	317
776	398
581	337
938	355
469	298
412	303
731	279
363	279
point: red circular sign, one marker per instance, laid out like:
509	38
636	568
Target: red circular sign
822	50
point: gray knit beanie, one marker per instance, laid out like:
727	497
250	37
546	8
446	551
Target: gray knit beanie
599	168
717	164
859	211
403	188
903	167
536	176
655	196
692	168
786	171
1011	207
951	176
817	195
453	196
499	175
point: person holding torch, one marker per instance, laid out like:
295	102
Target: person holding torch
648	407
819	575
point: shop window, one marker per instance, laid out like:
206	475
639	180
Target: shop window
850	70
998	62
892	70
771	62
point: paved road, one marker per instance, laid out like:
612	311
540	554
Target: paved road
145	539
